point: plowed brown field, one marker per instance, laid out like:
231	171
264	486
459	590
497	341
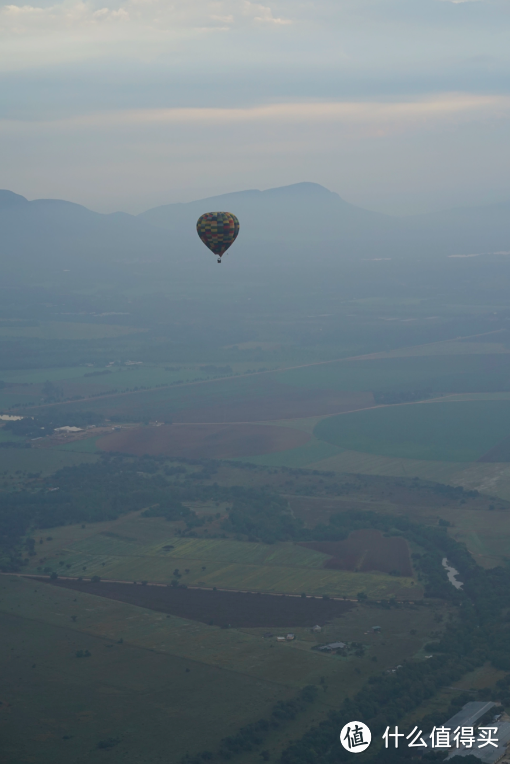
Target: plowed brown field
235	609
279	402
366	550
204	441
500	453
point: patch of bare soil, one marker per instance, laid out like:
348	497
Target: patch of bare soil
287	402
366	550
204	441
219	608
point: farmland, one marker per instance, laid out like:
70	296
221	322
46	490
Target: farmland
204	441
159	657
137	548
179	668
61	330
435	373
366	550
219	608
250	398
455	432
45	460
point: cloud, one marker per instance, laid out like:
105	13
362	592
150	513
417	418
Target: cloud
263	14
158	15
109	95
378	117
389	155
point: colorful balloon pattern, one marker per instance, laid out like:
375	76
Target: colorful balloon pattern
218	231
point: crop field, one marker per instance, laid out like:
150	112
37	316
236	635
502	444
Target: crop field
44	460
500	453
210	441
490	478
456	432
58	708
159	541
39	376
7	437
447	347
133	549
60	330
435	373
301	456
9	397
147	672
482	523
485	533
219	608
256	398
367	550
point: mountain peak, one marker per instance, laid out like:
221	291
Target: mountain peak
9	199
301	189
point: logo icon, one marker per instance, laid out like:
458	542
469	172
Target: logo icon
355	737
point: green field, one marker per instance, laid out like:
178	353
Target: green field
455	432
132	550
161	403
61	330
437	373
45	460
198	682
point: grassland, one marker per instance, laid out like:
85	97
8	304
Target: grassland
9	399
437	373
447	347
251	398
456	432
62	330
44	460
148	672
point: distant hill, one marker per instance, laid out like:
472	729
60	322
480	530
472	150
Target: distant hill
307	213
291	213
54	233
290	225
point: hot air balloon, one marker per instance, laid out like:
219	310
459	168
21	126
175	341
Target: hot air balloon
218	231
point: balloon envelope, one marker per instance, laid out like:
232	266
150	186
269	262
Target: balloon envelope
218	230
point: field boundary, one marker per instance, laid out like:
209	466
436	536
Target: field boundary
45	577
366	356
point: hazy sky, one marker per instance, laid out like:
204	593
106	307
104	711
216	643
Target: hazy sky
398	105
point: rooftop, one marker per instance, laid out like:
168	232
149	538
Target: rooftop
489	754
470	714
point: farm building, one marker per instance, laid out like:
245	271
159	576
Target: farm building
317	629
290	637
280	639
376	628
469	714
488	754
332	646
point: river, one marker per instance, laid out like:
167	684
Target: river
452	574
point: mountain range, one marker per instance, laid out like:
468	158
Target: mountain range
289	224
